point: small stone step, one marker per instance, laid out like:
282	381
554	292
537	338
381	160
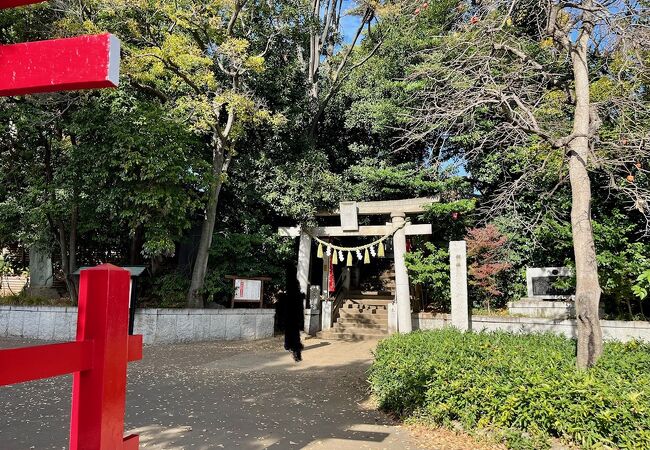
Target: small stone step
369	295
353	325
372	302
349	336
353	312
365	320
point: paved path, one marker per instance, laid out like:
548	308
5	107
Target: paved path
244	395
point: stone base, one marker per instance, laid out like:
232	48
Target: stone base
528	307
312	322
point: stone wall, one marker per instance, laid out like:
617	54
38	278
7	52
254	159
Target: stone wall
156	325
612	329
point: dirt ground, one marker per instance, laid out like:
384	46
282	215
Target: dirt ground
236	394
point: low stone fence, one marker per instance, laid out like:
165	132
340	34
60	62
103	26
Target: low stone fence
612	329
56	323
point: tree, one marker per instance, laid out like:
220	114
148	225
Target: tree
328	68
520	76
197	58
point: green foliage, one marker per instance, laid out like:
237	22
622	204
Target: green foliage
640	289
5	267
260	253
451	218
621	260
526	384
170	290
386	182
431	269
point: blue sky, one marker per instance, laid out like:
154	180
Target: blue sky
349	24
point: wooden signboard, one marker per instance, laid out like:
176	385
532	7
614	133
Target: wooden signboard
247	289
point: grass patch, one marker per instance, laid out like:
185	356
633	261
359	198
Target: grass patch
523	388
28	300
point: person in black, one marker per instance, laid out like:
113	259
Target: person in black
293	314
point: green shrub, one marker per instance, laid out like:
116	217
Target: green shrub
170	290
517	382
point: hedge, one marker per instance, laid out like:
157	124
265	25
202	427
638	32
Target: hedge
527	383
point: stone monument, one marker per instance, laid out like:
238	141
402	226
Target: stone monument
41	277
544	299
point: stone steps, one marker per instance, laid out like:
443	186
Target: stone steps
362	316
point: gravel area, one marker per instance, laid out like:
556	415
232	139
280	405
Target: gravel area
246	395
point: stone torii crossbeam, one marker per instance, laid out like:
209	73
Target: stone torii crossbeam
349	211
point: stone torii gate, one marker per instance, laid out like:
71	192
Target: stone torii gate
349	212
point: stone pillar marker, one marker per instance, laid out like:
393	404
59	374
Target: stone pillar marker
460	313
40	274
312	314
304	256
40	268
325	276
402	295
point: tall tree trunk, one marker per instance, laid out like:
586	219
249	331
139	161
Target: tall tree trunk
65	245
219	166
136	246
587	285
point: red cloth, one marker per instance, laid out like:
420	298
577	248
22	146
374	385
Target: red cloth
330	277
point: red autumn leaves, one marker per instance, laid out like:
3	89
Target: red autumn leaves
486	248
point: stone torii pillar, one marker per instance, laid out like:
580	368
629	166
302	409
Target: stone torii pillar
304	259
402	294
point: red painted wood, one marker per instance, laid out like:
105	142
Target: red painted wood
99	395
98	360
13	3
135	347
131	442
43	361
84	62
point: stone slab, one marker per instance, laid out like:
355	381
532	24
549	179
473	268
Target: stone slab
165	328
248	327
145	324
4	321
46	325
15	326
217	328
233	327
264	327
184	328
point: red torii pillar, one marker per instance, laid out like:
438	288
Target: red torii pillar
97	360
99	356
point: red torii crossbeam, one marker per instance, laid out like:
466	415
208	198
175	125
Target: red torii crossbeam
97	360
13	3
84	62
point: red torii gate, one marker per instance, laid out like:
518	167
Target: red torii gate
99	356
